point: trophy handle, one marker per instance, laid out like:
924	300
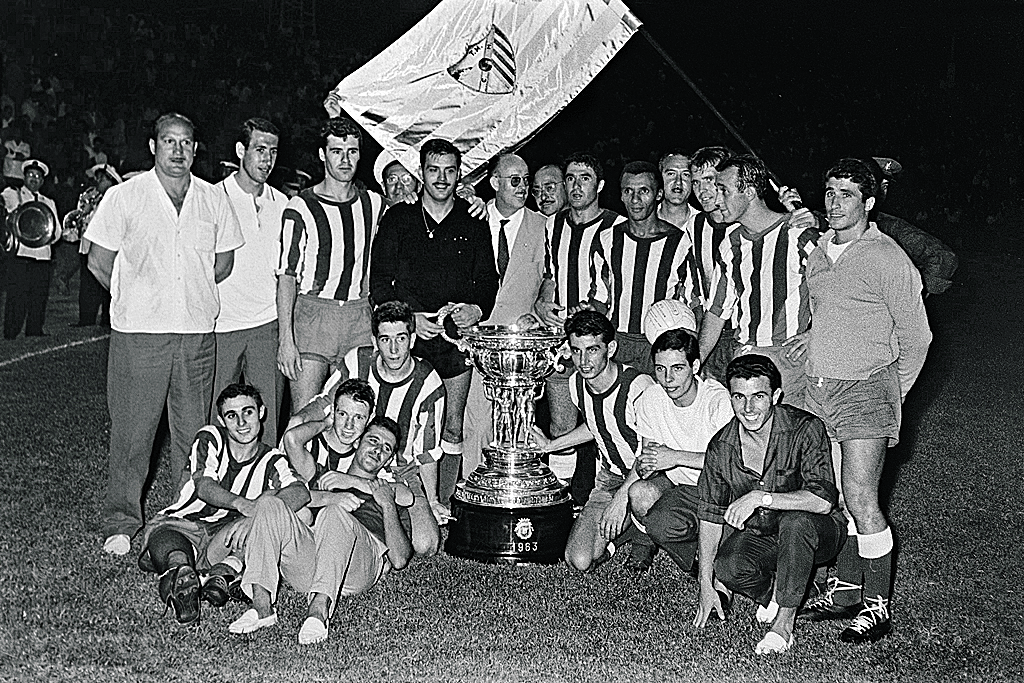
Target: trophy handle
462	344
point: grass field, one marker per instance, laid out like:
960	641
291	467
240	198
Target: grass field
954	492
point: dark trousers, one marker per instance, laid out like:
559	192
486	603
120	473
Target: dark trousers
672	524
747	561
251	354
92	296
145	373
28	288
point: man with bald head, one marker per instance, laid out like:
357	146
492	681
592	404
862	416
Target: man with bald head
517	235
161	242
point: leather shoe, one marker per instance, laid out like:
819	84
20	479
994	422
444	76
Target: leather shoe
641	558
179	590
871	624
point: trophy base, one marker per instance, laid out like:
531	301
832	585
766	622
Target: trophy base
535	535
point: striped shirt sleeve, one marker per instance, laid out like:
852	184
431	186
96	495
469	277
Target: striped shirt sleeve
429	423
600	269
723	291
282	475
207	449
293	241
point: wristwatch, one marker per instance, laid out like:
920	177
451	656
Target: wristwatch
766	500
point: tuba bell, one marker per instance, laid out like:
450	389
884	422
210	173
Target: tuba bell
33	224
74	225
8	242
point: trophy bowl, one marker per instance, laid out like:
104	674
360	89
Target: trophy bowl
512	508
511	356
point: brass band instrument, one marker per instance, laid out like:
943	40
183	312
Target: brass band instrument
32	224
76	221
8	242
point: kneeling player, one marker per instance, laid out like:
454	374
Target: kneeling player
768	476
605	392
209	526
410	392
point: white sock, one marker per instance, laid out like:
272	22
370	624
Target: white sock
873	546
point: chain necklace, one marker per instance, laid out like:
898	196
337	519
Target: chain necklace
426	223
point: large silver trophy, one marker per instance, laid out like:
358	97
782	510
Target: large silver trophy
512	508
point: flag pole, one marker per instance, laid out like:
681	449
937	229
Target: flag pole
714	110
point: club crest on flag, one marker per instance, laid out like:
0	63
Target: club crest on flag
485	75
489	65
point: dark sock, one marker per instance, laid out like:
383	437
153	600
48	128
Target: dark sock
849	569
878	577
632	535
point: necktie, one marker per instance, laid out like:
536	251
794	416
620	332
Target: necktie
502	250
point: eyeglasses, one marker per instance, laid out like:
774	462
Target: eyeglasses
539	190
514	180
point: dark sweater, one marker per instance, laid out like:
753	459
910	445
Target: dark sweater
456	265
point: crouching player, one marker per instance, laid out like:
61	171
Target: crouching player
676	418
768	504
605	392
209	528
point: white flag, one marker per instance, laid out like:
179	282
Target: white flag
483	74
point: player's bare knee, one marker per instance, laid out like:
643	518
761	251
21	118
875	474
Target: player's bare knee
642	497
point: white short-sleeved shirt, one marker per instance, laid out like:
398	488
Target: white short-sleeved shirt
248	297
683	429
163	277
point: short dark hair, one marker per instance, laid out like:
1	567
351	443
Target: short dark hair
640	168
247	128
154	134
340	127
393	312
677	340
439	147
385	422
584	159
709	156
750	172
239	389
358	390
590	324
753	365
858	172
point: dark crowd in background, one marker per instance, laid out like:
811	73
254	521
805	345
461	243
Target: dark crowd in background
939	90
